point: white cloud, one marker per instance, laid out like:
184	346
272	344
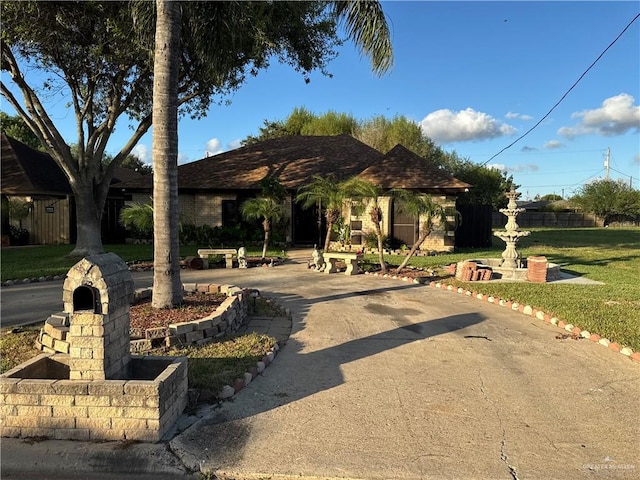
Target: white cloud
498	166
636	159
214	147
183	158
445	126
520	116
527	148
527	167
616	116
234	144
552	144
143	153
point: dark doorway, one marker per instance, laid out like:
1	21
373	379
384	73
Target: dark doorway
112	229
404	227
309	226
230	213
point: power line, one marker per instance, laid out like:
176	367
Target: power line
625	174
565	94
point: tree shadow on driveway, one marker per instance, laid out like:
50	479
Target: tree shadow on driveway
298	375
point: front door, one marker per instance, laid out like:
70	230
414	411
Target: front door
404	227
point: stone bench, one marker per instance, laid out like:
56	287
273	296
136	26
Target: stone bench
228	253
351	259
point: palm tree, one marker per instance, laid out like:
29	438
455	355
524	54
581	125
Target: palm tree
428	212
366	26
167	287
267	209
326	192
366	194
139	216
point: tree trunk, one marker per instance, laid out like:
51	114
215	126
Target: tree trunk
167	287
413	250
89	222
267	234
327	239
383	265
376	218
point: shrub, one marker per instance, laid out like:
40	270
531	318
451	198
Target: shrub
370	240
18	235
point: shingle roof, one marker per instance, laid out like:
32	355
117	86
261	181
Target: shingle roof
402	168
292	159
26	171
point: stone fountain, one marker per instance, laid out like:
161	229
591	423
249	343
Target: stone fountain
511	234
510	266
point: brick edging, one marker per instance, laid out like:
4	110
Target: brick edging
229	391
526	310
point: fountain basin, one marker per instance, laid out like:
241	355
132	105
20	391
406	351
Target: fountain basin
499	272
39	399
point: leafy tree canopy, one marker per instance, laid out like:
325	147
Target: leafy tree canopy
551	197
381	133
15	127
609	199
85	53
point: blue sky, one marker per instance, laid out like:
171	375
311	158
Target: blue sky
475	76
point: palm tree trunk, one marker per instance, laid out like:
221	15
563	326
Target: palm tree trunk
413	250
383	265
167	287
327	239
267	235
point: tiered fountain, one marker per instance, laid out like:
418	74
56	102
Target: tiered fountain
511	234
511	266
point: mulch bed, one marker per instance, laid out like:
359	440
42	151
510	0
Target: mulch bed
194	307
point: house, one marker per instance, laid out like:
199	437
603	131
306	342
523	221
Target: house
35	178
211	190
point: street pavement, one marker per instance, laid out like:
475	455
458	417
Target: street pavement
382	379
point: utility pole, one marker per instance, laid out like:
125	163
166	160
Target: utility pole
606	162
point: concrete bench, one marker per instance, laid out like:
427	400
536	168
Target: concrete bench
228	253
351	259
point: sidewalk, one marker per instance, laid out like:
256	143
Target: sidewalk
383	379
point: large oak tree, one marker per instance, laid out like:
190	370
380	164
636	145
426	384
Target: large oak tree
84	53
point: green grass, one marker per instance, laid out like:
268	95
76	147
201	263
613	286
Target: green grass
17	347
217	364
210	366
49	260
609	255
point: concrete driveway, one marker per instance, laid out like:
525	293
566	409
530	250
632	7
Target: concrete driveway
382	379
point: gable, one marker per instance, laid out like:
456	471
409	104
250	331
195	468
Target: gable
26	171
402	168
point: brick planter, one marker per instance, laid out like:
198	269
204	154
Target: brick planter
225	320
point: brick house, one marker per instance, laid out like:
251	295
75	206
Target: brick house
212	189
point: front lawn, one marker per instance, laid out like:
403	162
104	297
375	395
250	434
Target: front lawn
609	255
50	260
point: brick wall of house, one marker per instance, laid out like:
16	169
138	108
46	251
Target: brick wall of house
438	240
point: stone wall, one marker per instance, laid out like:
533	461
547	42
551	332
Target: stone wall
225	320
133	409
